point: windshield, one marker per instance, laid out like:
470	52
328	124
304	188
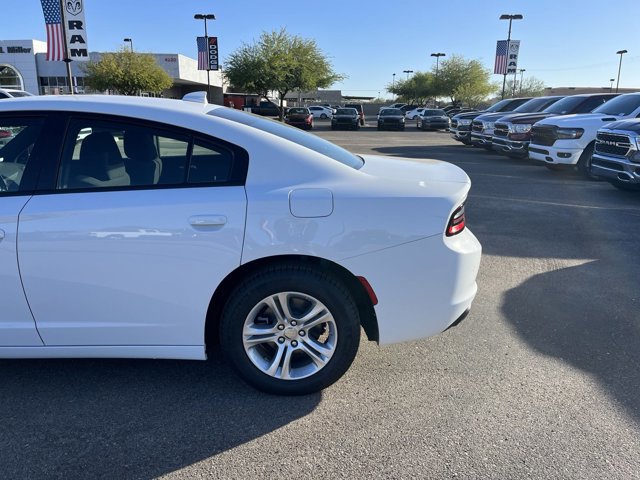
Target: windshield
434	113
622	105
497	107
291	134
387	112
346	111
535	105
564	106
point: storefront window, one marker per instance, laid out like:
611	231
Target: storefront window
10	78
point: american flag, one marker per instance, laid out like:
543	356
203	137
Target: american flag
53	19
500	66
203	54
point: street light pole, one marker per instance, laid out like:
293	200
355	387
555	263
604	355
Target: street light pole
611	86
619	52
205	17
130	41
407	72
393	85
510	18
437	55
522	70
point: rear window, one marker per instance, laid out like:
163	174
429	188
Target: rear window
434	113
291	134
622	105
346	111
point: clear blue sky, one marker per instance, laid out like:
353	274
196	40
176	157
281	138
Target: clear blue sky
563	42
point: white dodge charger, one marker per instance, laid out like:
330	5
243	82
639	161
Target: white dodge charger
153	228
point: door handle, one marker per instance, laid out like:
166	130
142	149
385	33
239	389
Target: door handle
207	220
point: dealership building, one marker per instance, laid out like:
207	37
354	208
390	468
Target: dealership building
23	66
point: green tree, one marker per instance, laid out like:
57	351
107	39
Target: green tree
127	72
464	81
416	89
530	87
279	62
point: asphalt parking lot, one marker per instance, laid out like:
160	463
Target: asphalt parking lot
541	380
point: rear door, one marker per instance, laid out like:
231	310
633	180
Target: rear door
21	139
133	255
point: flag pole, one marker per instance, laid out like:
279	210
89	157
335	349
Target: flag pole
66	60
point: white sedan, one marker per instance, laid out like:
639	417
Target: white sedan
175	225
413	114
319	111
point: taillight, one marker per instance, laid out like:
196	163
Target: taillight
456	222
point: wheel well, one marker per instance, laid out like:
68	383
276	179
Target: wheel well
367	313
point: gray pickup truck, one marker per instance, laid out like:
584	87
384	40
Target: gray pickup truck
616	154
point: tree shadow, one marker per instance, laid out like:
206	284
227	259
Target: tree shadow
128	418
592	325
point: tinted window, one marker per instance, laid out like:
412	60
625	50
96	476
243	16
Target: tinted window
209	163
391	111
346	111
565	106
291	134
497	107
593	103
434	113
622	105
17	138
298	110
535	105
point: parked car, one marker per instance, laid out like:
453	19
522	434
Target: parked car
461	123
483	125
13	93
300	117
320	112
230	226
512	133
567	141
616	154
396	105
345	118
433	119
5	136
413	114
360	108
391	118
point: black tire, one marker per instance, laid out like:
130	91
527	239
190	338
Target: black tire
584	163
323	116
379	127
301	282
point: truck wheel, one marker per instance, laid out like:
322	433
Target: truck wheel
290	329
584	163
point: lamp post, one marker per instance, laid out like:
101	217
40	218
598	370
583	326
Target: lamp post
407	72
393	85
130	42
611	86
510	18
619	52
205	17
522	70
437	55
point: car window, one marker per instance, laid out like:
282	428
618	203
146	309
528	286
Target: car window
593	103
298	110
564	106
433	113
17	139
623	105
346	111
291	134
209	163
391	111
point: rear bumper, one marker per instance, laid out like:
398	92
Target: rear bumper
616	169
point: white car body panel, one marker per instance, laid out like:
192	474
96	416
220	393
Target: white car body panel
17	326
126	271
89	289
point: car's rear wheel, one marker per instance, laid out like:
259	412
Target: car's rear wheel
324	116
584	163
290	330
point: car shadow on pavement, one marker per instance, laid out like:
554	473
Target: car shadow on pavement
128	418
441	152
593	326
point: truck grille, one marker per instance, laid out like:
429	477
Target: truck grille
477	126
501	130
543	135
613	144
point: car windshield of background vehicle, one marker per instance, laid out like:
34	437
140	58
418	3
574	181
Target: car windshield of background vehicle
499	105
533	105
564	106
346	111
388	112
292	134
434	113
294	111
623	105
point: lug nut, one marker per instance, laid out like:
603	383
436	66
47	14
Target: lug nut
281	340
301	333
280	327
294	344
293	322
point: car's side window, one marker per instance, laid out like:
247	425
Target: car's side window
105	154
210	163
17	139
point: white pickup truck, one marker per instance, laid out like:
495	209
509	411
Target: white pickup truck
568	140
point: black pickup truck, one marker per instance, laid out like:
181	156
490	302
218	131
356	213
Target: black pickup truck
266	108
